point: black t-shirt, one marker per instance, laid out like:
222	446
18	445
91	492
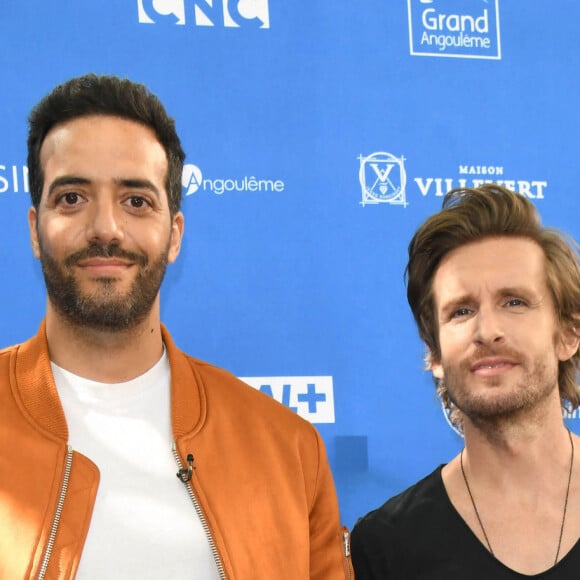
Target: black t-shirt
418	535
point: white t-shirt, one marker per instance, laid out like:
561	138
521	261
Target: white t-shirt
144	524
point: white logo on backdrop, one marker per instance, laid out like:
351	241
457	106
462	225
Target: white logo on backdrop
193	180
382	179
454	28
311	397
218	13
14	178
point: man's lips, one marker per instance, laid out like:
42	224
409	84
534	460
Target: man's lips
490	366
104	265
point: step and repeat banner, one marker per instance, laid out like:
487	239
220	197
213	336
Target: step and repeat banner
319	135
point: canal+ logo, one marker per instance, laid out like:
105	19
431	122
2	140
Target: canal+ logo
311	397
454	28
217	13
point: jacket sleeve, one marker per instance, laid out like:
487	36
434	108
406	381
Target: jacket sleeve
329	541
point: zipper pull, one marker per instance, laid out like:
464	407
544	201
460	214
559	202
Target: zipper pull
185	472
346	543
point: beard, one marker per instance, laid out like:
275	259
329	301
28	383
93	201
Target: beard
500	398
105	308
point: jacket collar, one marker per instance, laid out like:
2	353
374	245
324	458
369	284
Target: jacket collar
188	402
32	375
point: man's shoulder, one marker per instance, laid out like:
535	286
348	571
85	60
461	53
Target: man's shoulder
407	510
7	351
229	392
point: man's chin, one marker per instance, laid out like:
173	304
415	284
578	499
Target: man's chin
104	320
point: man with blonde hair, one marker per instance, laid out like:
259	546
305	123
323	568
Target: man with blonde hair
496	297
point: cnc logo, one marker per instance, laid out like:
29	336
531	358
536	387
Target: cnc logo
382	179
311	397
219	13
454	28
192	180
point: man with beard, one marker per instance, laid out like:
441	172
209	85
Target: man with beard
496	297
100	409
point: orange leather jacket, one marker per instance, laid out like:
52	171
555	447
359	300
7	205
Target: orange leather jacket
259	475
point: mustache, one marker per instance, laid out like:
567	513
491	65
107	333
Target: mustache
499	351
113	250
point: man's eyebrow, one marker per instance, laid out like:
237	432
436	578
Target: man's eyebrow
67	180
455	302
514	291
139	184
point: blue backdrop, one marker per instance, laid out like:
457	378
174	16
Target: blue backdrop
319	135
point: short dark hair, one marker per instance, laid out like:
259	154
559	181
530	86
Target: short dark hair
469	215
93	94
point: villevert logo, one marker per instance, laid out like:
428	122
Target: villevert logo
382	179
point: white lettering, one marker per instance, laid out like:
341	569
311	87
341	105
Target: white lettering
424	185
14	178
3	181
442	41
480	170
455	22
539	185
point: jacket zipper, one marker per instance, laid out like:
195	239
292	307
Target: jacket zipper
57	514
184	474
346	550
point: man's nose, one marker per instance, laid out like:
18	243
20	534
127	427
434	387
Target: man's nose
105	221
489	326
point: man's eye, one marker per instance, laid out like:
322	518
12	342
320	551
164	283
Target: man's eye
460	312
137	201
515	302
70	198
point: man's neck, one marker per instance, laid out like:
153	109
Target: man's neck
102	355
518	479
517	443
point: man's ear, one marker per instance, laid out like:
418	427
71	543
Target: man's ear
434	365
33	232
568	341
177	226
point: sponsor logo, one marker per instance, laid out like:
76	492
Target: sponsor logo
454	28
382	179
311	397
14	179
217	13
193	181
